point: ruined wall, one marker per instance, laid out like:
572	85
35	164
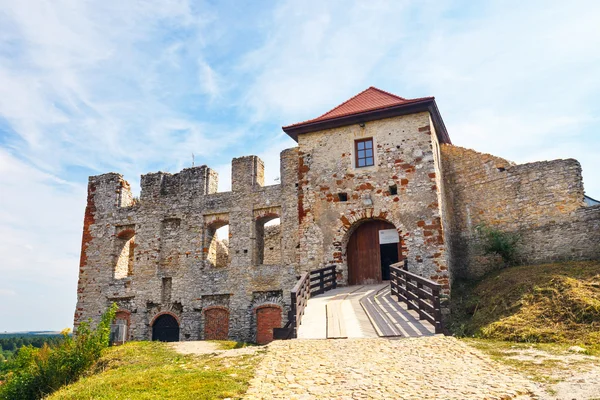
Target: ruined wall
168	235
404	159
272	245
161	254
221	253
542	201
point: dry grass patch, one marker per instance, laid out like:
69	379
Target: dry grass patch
551	303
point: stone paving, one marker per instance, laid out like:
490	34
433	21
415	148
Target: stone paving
415	368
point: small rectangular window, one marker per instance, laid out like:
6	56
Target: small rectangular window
364	153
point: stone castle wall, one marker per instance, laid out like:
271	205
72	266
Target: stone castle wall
272	245
404	160
162	255
154	256
542	201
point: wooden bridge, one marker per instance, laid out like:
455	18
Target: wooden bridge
407	306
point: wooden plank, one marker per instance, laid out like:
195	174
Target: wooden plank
404	318
336	329
383	326
402	323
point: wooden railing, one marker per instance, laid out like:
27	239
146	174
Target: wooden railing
419	294
322	280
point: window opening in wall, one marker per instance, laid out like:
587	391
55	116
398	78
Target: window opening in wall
217	244
268	240
342	196
167	285
169	243
125	251
364	153
393	190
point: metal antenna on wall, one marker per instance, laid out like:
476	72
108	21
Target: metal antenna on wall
193	160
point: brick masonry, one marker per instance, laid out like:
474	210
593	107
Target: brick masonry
216	323
267	318
160	254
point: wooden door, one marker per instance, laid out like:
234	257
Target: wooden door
364	256
165	329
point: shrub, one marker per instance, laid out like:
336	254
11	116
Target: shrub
495	241
34	373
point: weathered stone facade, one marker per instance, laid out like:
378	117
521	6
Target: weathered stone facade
404	159
541	201
161	255
169	235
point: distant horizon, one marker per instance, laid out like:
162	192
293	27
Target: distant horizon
30	332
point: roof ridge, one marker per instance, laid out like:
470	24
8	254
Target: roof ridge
346	108
388	93
357	95
345	102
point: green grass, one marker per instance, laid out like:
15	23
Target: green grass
152	370
550	303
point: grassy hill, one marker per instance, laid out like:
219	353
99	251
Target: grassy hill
153	370
557	303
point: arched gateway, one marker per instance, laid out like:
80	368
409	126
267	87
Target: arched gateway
165	328
372	248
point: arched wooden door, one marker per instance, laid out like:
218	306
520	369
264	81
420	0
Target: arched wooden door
165	329
368	259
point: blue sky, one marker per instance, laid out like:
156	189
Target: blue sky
88	87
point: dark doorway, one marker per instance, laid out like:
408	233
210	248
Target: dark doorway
165	329
368	261
389	256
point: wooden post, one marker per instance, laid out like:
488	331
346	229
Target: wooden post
420	311
334	277
293	312
321	282
437	311
406	281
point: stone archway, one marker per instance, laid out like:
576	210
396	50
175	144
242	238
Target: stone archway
165	328
372	246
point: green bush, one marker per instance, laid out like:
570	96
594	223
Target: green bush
34	373
495	241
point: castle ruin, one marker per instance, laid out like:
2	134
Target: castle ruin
373	181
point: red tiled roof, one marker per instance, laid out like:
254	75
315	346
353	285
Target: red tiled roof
367	100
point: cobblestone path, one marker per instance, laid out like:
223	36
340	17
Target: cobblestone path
415	368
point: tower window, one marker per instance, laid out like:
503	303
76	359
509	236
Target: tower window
364	153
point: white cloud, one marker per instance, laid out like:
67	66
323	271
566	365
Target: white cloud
40	219
511	78
88	91
208	79
318	52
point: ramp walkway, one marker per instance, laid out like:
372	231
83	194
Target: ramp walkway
362	311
